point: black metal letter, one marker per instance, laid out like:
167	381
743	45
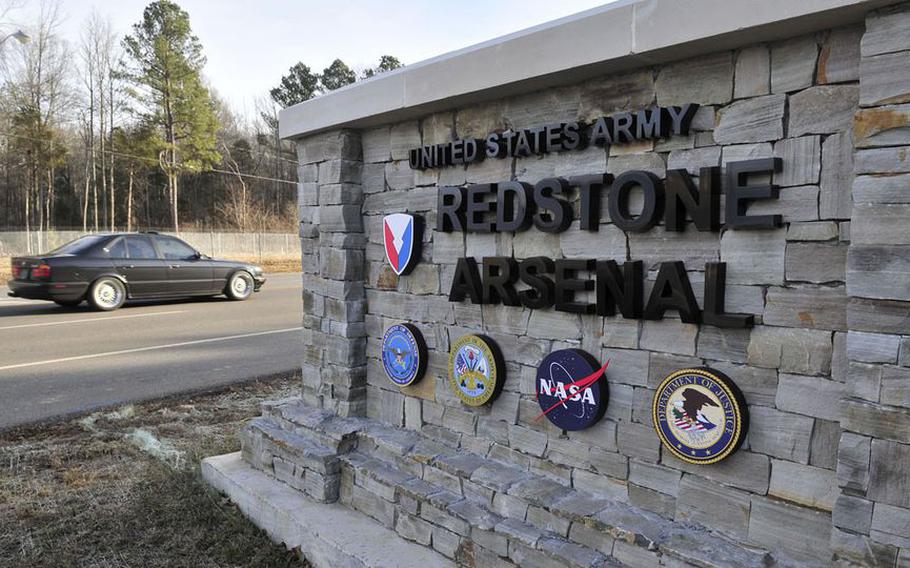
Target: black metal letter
739	193
589	189
653	191
478	210
449	212
567	285
540	294
499	276
466	282
512	211
672	291
703	206
715	294
682	117
553	215
625	290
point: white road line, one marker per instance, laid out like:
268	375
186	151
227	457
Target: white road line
152	348
97	319
17	302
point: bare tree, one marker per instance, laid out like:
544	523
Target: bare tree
36	81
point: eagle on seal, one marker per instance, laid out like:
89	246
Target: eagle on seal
693	401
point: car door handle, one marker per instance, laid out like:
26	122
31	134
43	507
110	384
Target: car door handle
125	266
175	266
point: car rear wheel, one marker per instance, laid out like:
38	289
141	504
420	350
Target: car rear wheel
68	303
240	286
107	294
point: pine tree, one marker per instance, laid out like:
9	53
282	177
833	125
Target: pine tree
386	63
336	75
164	60
300	84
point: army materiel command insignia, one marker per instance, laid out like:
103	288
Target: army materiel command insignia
700	415
401	237
404	354
571	389
476	370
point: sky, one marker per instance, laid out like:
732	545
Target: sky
251	44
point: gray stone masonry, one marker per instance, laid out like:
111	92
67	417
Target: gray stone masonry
824	473
334	368
872	514
402	480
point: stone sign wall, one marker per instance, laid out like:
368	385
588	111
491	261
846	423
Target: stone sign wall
825	468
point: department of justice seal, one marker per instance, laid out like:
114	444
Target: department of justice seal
476	369
571	389
700	415
404	354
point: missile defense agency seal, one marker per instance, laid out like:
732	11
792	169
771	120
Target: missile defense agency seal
700	415
404	354
476	369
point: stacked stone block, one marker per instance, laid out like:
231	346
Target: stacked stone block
825	470
333	246
794	100
872	512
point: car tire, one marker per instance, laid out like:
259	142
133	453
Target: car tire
107	294
240	286
68	303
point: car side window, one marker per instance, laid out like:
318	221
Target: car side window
140	248
174	249
117	249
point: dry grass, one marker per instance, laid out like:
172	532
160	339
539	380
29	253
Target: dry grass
272	264
118	489
5	270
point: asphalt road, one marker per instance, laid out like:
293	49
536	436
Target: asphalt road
58	361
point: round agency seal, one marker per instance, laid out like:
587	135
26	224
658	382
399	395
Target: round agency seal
700	415
404	354
571	389
476	369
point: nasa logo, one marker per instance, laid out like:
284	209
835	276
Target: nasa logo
402	236
700	415
404	354
571	389
476	369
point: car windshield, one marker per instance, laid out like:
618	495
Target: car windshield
79	246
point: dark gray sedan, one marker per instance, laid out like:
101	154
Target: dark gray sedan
106	270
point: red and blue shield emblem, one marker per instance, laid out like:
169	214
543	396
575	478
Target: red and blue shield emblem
401	237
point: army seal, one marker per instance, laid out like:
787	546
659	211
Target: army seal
476	369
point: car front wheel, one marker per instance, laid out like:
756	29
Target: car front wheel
107	294
240	286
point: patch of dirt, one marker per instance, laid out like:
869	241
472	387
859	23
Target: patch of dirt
123	488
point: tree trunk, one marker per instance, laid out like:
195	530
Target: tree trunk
129	203
85	196
103	157
110	100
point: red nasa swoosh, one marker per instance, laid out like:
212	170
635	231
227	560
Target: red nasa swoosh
581	384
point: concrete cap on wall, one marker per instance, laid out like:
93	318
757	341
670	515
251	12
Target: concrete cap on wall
615	37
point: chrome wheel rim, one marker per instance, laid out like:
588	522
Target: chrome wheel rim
241	285
108	295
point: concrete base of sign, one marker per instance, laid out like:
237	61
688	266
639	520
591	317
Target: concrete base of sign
329	535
